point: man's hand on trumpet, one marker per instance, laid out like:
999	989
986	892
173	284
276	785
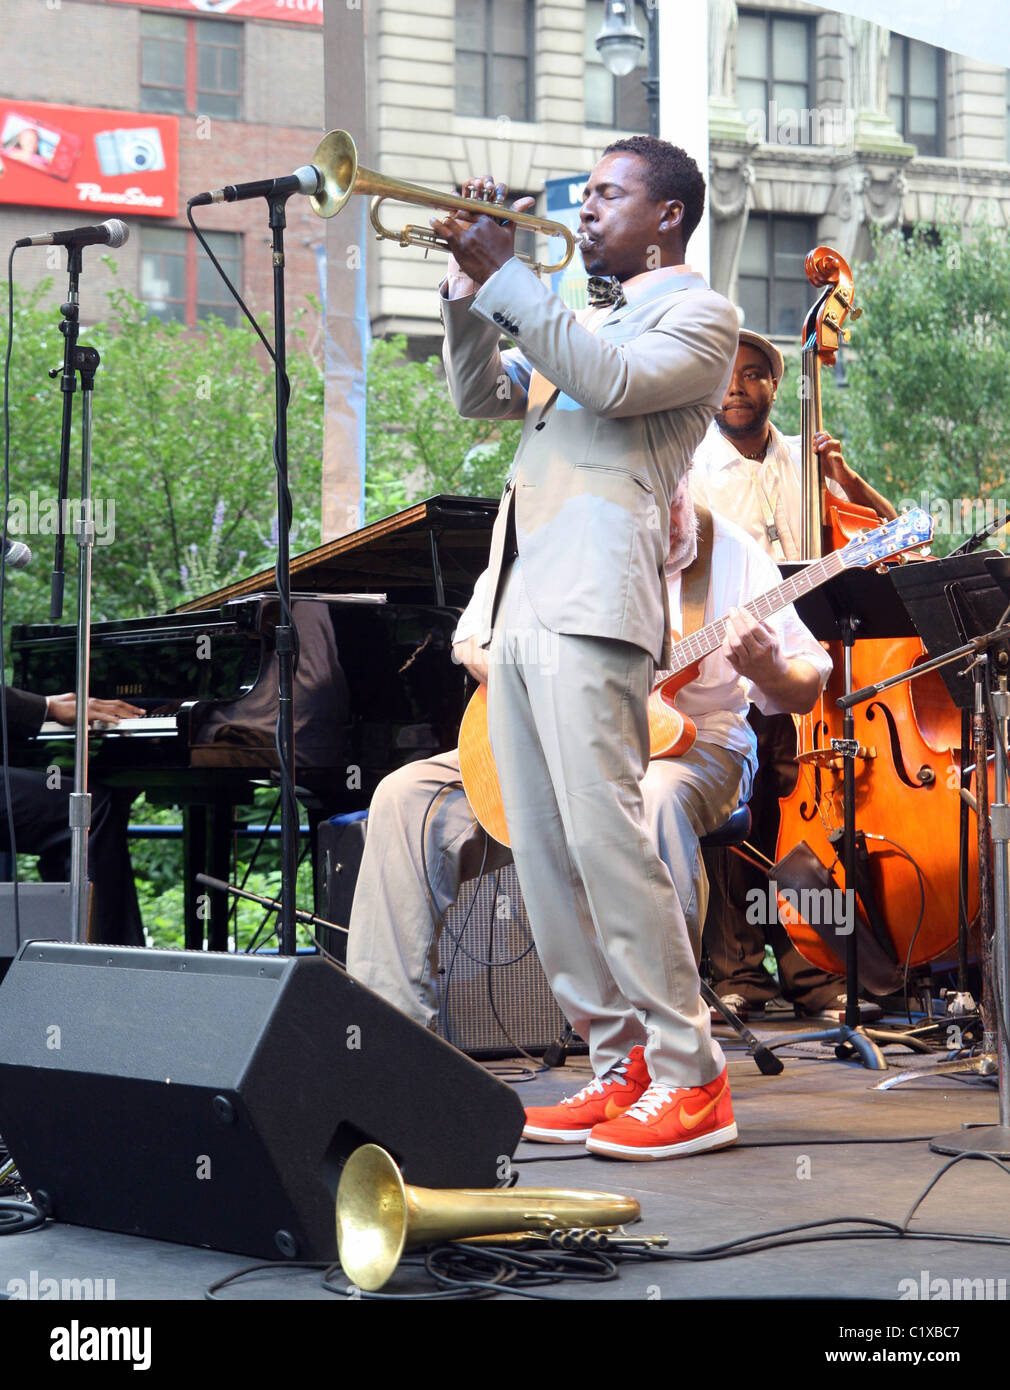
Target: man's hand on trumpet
479	245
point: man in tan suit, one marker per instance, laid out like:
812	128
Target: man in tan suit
614	406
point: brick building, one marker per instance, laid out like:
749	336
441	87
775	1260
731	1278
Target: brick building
245	95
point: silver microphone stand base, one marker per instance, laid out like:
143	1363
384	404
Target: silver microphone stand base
985	1066
991	1140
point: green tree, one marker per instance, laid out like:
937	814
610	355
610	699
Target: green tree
925	410
183	476
416	443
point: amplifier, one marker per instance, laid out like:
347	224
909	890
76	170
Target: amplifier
494	996
44	913
496	1010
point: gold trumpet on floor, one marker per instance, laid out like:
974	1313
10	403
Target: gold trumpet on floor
379	1216
336	159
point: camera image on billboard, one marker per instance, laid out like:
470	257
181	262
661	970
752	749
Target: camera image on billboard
134	151
39	146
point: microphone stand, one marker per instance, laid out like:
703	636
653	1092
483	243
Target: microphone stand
77	358
285	626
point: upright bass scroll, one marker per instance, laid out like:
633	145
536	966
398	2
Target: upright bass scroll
823	334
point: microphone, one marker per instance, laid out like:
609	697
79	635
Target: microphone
307	179
973	542
111	233
16	554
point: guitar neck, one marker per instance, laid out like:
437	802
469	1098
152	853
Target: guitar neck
709	638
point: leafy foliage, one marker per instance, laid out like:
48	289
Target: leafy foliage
417	445
182	476
925	410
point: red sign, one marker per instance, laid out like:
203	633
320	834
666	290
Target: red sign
292	11
78	156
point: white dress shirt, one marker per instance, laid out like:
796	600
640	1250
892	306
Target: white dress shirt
750	490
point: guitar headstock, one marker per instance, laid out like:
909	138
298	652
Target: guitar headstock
909	531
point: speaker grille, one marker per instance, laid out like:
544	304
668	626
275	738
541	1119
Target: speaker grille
497	1009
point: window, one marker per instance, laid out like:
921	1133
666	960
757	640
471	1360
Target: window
177	281
915	73
494	39
774	72
616	102
190	66
773	287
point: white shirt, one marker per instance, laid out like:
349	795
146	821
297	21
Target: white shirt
718	700
746	490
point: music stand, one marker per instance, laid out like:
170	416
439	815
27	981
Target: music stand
975	591
863	602
962	596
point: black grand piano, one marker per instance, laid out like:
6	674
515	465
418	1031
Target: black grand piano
375	685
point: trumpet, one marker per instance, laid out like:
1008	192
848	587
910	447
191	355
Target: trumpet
379	1216
336	159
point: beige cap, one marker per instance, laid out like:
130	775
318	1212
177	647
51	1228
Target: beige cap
775	358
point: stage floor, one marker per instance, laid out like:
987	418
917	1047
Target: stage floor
816	1142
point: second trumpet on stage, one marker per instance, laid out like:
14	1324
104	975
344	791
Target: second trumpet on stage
337	161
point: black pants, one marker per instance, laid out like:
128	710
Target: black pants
42	827
735	946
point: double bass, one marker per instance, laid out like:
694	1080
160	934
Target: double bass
906	775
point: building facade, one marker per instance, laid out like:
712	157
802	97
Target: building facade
821	127
113	109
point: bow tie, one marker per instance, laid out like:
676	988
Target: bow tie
603	290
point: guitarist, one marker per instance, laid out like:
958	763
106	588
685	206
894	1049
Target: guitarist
747	470
401	895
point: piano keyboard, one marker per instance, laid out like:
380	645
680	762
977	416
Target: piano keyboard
148	726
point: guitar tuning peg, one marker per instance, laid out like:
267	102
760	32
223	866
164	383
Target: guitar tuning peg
855	314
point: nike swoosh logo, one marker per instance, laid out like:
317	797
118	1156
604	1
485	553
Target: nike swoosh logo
693	1121
612	1110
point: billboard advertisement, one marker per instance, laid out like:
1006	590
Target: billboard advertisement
291	11
82	157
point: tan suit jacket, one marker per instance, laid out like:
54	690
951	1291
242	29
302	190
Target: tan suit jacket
612	419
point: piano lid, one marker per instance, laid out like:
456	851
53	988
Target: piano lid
430	552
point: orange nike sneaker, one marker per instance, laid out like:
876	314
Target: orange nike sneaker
604	1098
669	1123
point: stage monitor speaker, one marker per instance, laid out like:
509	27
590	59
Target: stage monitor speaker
497	1009
340	843
44	912
213	1099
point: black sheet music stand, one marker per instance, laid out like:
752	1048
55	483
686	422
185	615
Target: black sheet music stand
967	597
855	603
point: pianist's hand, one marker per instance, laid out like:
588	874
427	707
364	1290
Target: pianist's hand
63	708
472	655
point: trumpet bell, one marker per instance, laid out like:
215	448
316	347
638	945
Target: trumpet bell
372	1217
337	160
379	1216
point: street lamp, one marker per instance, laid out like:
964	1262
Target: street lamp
619	44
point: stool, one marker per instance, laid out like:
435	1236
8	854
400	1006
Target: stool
734	832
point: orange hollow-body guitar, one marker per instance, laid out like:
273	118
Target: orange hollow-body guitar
671	733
